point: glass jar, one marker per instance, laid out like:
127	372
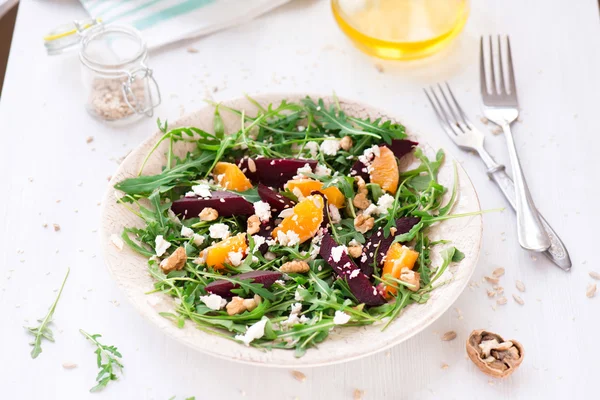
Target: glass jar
401	29
119	87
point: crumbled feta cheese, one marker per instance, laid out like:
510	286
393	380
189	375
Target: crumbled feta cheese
384	203
368	155
370	210
293	319
255	331
301	128
219	231
117	241
201	260
186	232
161	245
330	147
289	238
334	213
298	296
271	242
202	190
296	308
341	318
280	282
235	258
258	241
313	148
190	194
213	301
303	171
198	239
322	170
262	210
354	273
288	212
304	319
298	193
270	256
336	252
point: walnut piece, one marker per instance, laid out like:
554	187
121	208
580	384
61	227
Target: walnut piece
296	266
208	214
253	225
346	143
355	251
238	305
363	223
412	278
175	261
493	355
360	200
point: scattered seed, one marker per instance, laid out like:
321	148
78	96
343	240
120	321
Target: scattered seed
595	275
591	290
448	336
379	68
89	139
192	50
518	299
445	366
497	130
490	293
56	227
498	272
520	286
499	290
491	280
501	301
299	376
484	120
358	394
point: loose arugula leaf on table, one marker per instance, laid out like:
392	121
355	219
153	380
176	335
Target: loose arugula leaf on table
43	330
108	360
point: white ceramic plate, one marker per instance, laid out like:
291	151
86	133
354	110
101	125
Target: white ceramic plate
130	269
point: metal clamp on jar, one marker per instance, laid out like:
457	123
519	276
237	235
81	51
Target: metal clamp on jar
119	85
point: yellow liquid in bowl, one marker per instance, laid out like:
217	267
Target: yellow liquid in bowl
401	29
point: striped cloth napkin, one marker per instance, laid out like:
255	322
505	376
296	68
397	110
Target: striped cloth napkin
167	21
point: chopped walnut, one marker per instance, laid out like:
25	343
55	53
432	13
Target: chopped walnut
363	224
346	143
298	267
360	200
175	261
410	277
355	251
238	305
208	214
493	355
253	225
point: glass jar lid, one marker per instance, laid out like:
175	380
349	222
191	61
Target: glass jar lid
68	36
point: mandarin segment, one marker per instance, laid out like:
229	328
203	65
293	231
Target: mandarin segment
218	254
397	257
384	170
307	186
230	176
306	219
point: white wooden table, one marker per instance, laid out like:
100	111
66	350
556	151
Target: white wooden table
51	175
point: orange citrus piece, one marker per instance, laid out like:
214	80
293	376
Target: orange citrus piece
306	219
233	177
218	254
307	186
397	257
384	170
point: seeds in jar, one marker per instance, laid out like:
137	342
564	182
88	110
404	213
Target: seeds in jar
106	98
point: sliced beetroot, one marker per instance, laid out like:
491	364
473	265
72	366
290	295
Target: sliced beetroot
359	283
273	172
377	245
227	204
275	200
360	169
223	287
401	147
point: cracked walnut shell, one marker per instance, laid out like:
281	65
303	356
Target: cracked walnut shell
493	355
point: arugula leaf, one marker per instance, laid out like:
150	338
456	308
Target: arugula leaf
108	360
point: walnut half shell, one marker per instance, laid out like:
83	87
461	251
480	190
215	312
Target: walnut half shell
493	355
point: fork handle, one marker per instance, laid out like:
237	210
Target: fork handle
557	253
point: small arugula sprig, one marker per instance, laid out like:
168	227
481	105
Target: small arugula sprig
108	360
43	331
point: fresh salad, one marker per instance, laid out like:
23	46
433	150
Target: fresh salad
300	222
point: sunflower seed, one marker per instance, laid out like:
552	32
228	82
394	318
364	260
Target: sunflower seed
491	280
448	336
520	286
501	301
498	272
591	290
490	293
299	376
445	366
518	299
68	365
595	275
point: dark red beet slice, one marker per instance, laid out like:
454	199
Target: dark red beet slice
360	169
223	288
359	283
401	147
273	172
226	203
377	245
275	200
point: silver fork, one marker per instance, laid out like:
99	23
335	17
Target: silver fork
457	125
501	107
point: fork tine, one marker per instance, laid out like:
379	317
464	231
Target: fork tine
482	80
493	89
512	84
452	128
448	105
459	108
501	87
443	122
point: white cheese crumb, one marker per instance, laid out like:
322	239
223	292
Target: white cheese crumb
368	155
303	171
370	210
198	239
262	210
336	252
334	213
235	258
322	170
202	190
161	245
384	203
313	148
293	319
186	232
258	241
341	318
290	238
213	301
296	308
330	147
117	241
298	296
219	231
255	331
